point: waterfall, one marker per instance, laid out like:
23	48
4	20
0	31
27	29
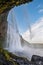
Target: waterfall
13	37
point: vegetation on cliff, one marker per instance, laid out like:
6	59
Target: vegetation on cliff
6	5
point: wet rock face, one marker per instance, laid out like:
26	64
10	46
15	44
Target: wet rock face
37	60
3	27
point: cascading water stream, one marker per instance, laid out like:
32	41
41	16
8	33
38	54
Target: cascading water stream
13	38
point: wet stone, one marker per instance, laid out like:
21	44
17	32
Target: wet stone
38	60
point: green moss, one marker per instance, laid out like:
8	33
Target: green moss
6	53
7	56
8	4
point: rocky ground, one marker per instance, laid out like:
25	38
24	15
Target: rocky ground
7	58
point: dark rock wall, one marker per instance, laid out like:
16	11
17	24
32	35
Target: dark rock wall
3	28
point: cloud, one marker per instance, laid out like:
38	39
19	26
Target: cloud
40	11
37	32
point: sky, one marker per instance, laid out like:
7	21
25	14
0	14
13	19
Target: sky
28	14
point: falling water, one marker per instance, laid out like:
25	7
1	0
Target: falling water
13	37
14	43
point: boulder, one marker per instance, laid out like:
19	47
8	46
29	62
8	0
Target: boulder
38	60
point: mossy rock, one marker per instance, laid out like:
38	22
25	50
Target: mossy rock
7	58
6	5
